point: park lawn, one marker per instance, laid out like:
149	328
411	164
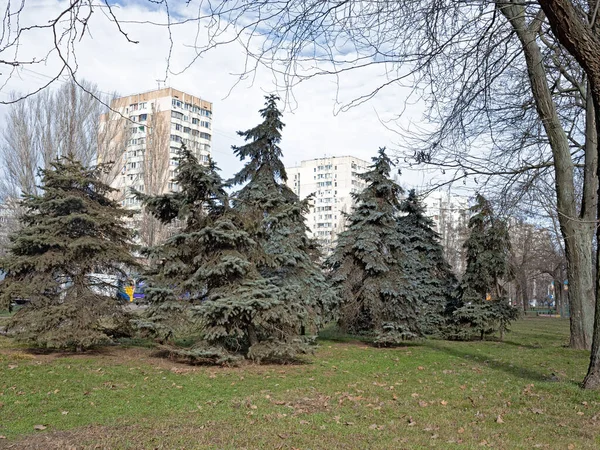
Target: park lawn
521	393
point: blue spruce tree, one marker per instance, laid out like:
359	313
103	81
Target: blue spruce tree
368	265
430	277
275	218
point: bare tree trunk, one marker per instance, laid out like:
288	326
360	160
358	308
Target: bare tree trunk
156	173
577	229
581	40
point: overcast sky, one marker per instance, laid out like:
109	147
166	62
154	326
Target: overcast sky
313	129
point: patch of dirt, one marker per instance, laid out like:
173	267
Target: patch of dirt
117	355
104	437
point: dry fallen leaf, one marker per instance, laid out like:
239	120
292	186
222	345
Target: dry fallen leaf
537	411
2	437
580	413
64	413
461	430
443	402
39	427
499	419
422	404
571	446
411	422
414	395
421	368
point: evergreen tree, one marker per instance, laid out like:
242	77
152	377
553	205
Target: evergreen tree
483	307
367	266
275	217
430	277
66	258
209	268
173	285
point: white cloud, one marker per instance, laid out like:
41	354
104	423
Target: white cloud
312	129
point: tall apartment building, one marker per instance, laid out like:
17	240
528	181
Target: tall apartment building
332	180
450	214
143	135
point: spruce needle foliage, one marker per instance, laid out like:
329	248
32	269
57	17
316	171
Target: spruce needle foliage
72	243
368	267
429	275
276	222
482	306
173	277
207	275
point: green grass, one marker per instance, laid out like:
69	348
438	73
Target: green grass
350	395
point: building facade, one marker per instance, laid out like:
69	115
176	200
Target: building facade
450	214
145	134
331	180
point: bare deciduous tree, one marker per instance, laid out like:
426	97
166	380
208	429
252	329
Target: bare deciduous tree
156	173
576	26
42	127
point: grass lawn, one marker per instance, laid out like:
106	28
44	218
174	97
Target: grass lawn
350	395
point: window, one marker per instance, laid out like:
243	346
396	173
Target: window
205	136
176	103
143	105
175	138
205	124
186	129
205	112
195	121
176	115
143	117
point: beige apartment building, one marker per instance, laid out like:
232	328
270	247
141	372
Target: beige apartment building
332	180
143	134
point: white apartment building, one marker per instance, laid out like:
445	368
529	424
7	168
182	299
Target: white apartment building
332	180
145	131
450	214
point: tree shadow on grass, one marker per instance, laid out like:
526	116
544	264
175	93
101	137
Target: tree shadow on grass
510	369
520	344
